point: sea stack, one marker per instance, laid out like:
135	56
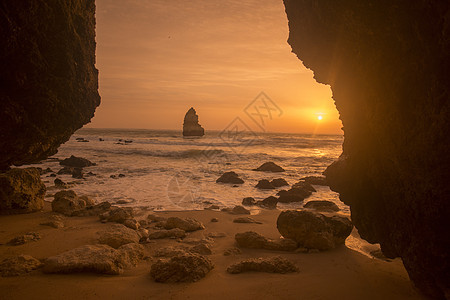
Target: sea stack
191	127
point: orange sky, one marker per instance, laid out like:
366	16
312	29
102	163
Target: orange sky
157	58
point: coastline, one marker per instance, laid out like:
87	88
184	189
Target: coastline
339	273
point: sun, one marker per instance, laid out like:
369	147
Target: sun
319	117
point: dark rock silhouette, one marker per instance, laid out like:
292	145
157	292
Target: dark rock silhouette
48	77
265	184
387	64
76	162
279	182
269	202
191	127
269	167
230	177
322	205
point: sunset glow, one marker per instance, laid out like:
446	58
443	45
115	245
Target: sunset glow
159	58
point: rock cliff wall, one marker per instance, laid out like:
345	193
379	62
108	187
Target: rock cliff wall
388	64
48	79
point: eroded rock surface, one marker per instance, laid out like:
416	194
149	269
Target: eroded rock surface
21	191
191	127
275	264
387	64
48	77
18	265
253	240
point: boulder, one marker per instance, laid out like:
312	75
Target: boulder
232	251
60	184
248	201
169	251
186	224
203	249
279	182
316	180
94	210
18	265
191	127
67	202
188	267
264	184
253	240
275	264
269	202
239	210
21	191
314	230
118	215
230	177
101	259
76	162
297	193
269	167
54	223
322	205
77	173
117	235
27	237
164	234
132	223
305	186
245	220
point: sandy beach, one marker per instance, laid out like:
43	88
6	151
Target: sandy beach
337	274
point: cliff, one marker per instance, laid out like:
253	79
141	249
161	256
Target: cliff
191	127
48	79
388	64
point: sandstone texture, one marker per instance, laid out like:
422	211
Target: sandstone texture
387	64
188	267
314	230
191	127
48	77
253	240
275	264
21	191
101	259
18	265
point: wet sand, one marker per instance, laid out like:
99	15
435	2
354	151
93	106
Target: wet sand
338	274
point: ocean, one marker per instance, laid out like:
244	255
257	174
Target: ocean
162	170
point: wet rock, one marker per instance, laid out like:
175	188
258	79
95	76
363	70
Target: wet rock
28	237
187	224
265	184
276	264
76	162
65	171
164	234
323	205
187	267
314	230
77	173
191	127
315	180
245	220
21	191
54	69
203	249
60	184
230	177
240	210
18	265
93	210
67	202
269	167
117	235
297	193
269	202
305	186
253	240
248	201
101	259
232	251
279	182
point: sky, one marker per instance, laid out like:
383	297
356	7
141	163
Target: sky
158	58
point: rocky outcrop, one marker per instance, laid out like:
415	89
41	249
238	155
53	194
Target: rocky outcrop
253	240
118	235
191	127
187	224
101	259
275	264
48	77
76	162
21	191
269	167
67	202
387	63
314	230
18	265
322	205
187	267
230	177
